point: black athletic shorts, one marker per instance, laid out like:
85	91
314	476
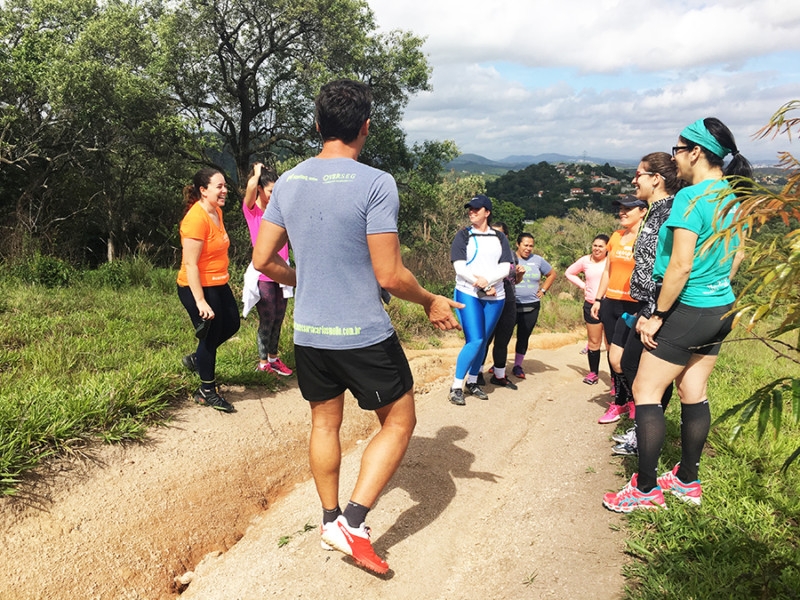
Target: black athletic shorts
376	375
587	314
691	330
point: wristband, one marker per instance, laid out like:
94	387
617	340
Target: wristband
660	313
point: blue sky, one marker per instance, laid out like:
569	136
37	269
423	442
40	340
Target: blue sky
610	78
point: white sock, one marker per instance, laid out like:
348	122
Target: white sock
458	384
500	373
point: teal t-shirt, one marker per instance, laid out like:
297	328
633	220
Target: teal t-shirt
695	209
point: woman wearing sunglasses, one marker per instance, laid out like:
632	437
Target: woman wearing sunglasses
683	336
656	182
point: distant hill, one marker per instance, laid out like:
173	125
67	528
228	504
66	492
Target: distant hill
475	163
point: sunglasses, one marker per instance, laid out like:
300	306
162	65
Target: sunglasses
640	173
676	149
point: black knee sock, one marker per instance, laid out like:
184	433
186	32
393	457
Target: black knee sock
355	514
695	423
621	388
594	360
667	396
651	428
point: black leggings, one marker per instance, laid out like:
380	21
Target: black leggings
504	329
526	321
224	325
631	356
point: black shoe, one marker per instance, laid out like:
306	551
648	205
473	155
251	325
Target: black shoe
190	362
481	380
214	400
503	382
457	397
473	389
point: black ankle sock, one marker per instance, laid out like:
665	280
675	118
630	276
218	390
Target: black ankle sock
355	514
208	386
329	516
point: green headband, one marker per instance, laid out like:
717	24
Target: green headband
699	134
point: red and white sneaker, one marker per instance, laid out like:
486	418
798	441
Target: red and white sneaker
322	529
354	542
279	368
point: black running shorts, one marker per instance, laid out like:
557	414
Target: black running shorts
376	375
691	330
587	314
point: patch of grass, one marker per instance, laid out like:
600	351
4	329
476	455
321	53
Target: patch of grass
285	539
93	363
744	540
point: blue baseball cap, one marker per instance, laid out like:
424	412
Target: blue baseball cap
479	201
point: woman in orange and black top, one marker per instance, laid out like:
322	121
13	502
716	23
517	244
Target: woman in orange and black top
203	281
614	298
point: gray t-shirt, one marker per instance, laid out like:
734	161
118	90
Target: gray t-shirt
328	207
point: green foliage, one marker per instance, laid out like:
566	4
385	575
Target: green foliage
544	190
743	541
510	214
43	270
249	71
561	241
772	274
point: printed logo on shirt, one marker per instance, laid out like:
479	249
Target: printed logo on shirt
301	177
338	177
323	330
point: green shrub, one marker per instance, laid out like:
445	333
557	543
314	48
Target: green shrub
49	271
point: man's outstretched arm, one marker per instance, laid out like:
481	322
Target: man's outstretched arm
395	278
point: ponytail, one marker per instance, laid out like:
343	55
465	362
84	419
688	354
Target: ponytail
201	179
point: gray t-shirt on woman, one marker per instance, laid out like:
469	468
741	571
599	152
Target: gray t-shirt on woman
328	207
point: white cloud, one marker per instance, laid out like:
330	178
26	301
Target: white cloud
613	78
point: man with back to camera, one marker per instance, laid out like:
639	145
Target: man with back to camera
341	218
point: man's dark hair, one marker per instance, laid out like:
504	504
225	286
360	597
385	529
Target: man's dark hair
342	107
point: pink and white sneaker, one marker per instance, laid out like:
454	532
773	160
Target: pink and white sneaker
631	410
613	414
688	492
279	368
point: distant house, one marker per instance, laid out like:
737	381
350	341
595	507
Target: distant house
576	192
598	190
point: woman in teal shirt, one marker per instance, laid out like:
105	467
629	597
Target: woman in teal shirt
684	335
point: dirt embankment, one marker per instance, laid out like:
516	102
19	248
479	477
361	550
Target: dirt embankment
498	499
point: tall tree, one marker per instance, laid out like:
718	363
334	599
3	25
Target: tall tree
249	70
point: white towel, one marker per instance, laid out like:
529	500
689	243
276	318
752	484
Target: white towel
250	293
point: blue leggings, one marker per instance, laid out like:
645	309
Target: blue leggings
478	319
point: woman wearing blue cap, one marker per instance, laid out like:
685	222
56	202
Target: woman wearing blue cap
614	299
481	258
683	336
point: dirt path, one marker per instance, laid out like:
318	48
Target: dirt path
498	499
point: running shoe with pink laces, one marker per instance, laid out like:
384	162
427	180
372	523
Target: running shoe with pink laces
613	414
354	542
688	492
630	498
